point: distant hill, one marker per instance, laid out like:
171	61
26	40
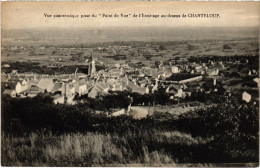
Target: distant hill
90	35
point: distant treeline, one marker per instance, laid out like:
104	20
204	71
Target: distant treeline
205	59
117	57
36	68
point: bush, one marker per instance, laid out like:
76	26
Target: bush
225	132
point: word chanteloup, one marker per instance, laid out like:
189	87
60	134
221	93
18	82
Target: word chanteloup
192	15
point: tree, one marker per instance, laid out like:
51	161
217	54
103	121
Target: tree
233	125
161	98
162	47
226	47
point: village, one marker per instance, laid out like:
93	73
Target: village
180	79
130	84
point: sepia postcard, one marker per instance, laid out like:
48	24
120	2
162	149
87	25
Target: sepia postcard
130	84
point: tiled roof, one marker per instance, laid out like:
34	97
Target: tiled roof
135	88
57	86
45	82
8	91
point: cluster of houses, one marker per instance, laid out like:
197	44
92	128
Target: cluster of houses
179	80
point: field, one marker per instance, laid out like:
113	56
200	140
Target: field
41	45
94	149
158	111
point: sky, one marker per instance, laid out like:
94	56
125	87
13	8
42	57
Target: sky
29	15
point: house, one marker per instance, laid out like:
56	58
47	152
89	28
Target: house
213	72
70	100
4	77
176	90
24	82
167	74
198	67
114	73
155	87
141	74
21	86
46	84
111	81
140	90
13	78
254	71
57	87
142	83
183	86
246	96
81	88
124	82
80	76
14	72
148	71
100	88
117	87
249	73
33	91
58	99
136	89
257	81
103	73
68	89
70	92
10	92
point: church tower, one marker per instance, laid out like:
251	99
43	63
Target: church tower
92	66
93	70
89	66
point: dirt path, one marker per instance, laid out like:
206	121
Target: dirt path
138	112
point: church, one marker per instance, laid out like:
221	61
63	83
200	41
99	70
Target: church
92	66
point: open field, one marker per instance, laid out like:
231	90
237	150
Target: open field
35	45
176	50
156	111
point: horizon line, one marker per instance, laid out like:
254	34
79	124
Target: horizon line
128	27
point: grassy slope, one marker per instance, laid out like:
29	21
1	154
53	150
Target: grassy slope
93	149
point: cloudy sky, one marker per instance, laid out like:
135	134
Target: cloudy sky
24	15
